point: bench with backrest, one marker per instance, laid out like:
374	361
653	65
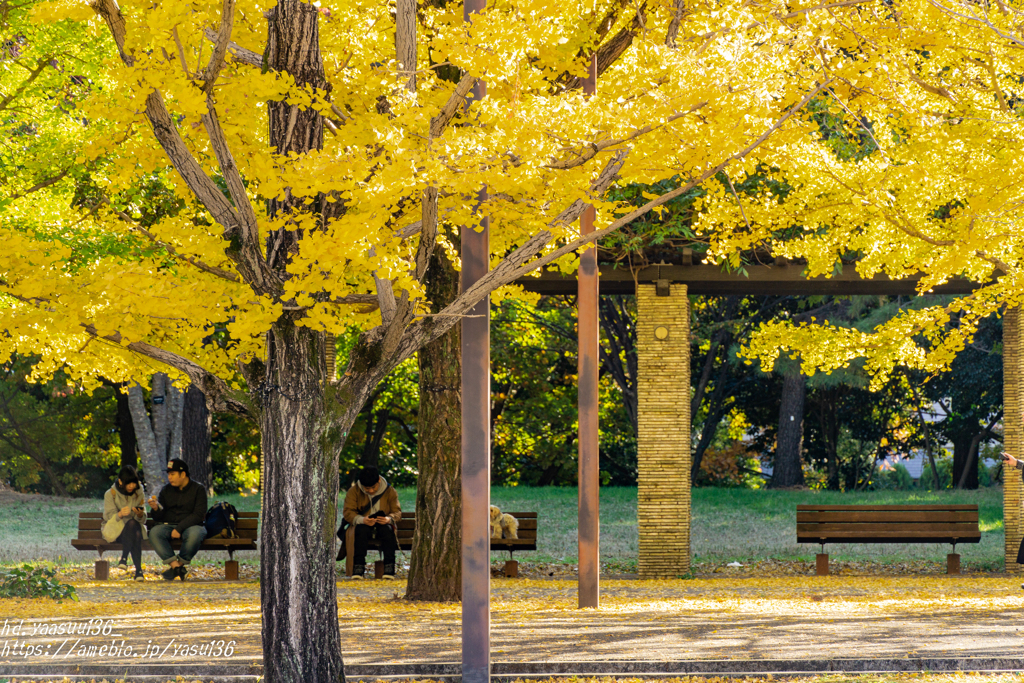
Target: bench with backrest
887	524
407	526
90	538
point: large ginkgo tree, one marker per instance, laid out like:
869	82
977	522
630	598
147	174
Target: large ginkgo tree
217	190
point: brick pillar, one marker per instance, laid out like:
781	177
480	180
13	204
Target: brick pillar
663	448
1013	432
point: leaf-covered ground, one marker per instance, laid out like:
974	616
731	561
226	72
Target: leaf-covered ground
538	620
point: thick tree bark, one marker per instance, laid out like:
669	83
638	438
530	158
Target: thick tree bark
301	638
435	570
159	407
300	439
196	424
154	464
126	430
788	470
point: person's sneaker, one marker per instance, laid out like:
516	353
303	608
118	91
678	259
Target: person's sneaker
139	576
123	565
389	572
169	573
357	572
182	572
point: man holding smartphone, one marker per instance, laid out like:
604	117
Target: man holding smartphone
371	506
179	514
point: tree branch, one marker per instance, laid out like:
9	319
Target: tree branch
227	19
237	51
220	397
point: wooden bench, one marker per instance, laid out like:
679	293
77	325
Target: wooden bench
90	538
407	526
887	524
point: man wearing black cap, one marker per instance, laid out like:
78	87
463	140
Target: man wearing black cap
179	514
371	506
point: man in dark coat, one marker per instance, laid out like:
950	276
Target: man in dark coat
179	514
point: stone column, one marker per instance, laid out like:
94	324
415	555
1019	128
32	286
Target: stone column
1013	432
663	448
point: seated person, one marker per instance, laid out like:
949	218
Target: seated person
124	518
371	506
179	513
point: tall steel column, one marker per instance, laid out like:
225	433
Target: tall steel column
589	354
476	447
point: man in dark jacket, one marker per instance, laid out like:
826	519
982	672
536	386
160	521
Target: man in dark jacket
179	514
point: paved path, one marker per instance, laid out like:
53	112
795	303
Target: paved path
785	618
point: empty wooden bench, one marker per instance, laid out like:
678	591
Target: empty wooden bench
90	538
407	526
887	524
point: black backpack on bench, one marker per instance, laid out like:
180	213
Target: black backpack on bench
220	521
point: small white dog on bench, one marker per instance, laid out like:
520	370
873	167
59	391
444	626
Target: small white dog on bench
503	525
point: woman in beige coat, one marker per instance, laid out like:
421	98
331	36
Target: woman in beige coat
124	518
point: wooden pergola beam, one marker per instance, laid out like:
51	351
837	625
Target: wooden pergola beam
712	281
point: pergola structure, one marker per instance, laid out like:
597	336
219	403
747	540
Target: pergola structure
663	387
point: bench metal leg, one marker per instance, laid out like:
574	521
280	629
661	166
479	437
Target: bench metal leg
231	570
102	570
953	563
821	564
512	569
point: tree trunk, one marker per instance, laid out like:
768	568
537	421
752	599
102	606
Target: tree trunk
175	410
828	423
301	639
717	409
435	569
964	474
126	430
300	439
196	424
154	466
788	470
158	409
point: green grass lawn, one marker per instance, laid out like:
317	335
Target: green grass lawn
728	525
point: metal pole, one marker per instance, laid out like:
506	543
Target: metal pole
476	447
589	471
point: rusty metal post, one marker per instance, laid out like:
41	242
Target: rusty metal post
588	358
476	447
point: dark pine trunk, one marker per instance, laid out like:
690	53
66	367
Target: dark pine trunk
301	639
126	430
788	470
300	439
195	437
435	570
964	447
828	423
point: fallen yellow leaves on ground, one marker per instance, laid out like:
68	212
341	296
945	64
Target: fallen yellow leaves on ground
923	677
512	598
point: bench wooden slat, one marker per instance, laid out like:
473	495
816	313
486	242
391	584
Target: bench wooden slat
803	506
888	516
905	529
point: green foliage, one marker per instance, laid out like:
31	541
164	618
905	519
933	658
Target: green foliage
27	581
896	479
55	437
